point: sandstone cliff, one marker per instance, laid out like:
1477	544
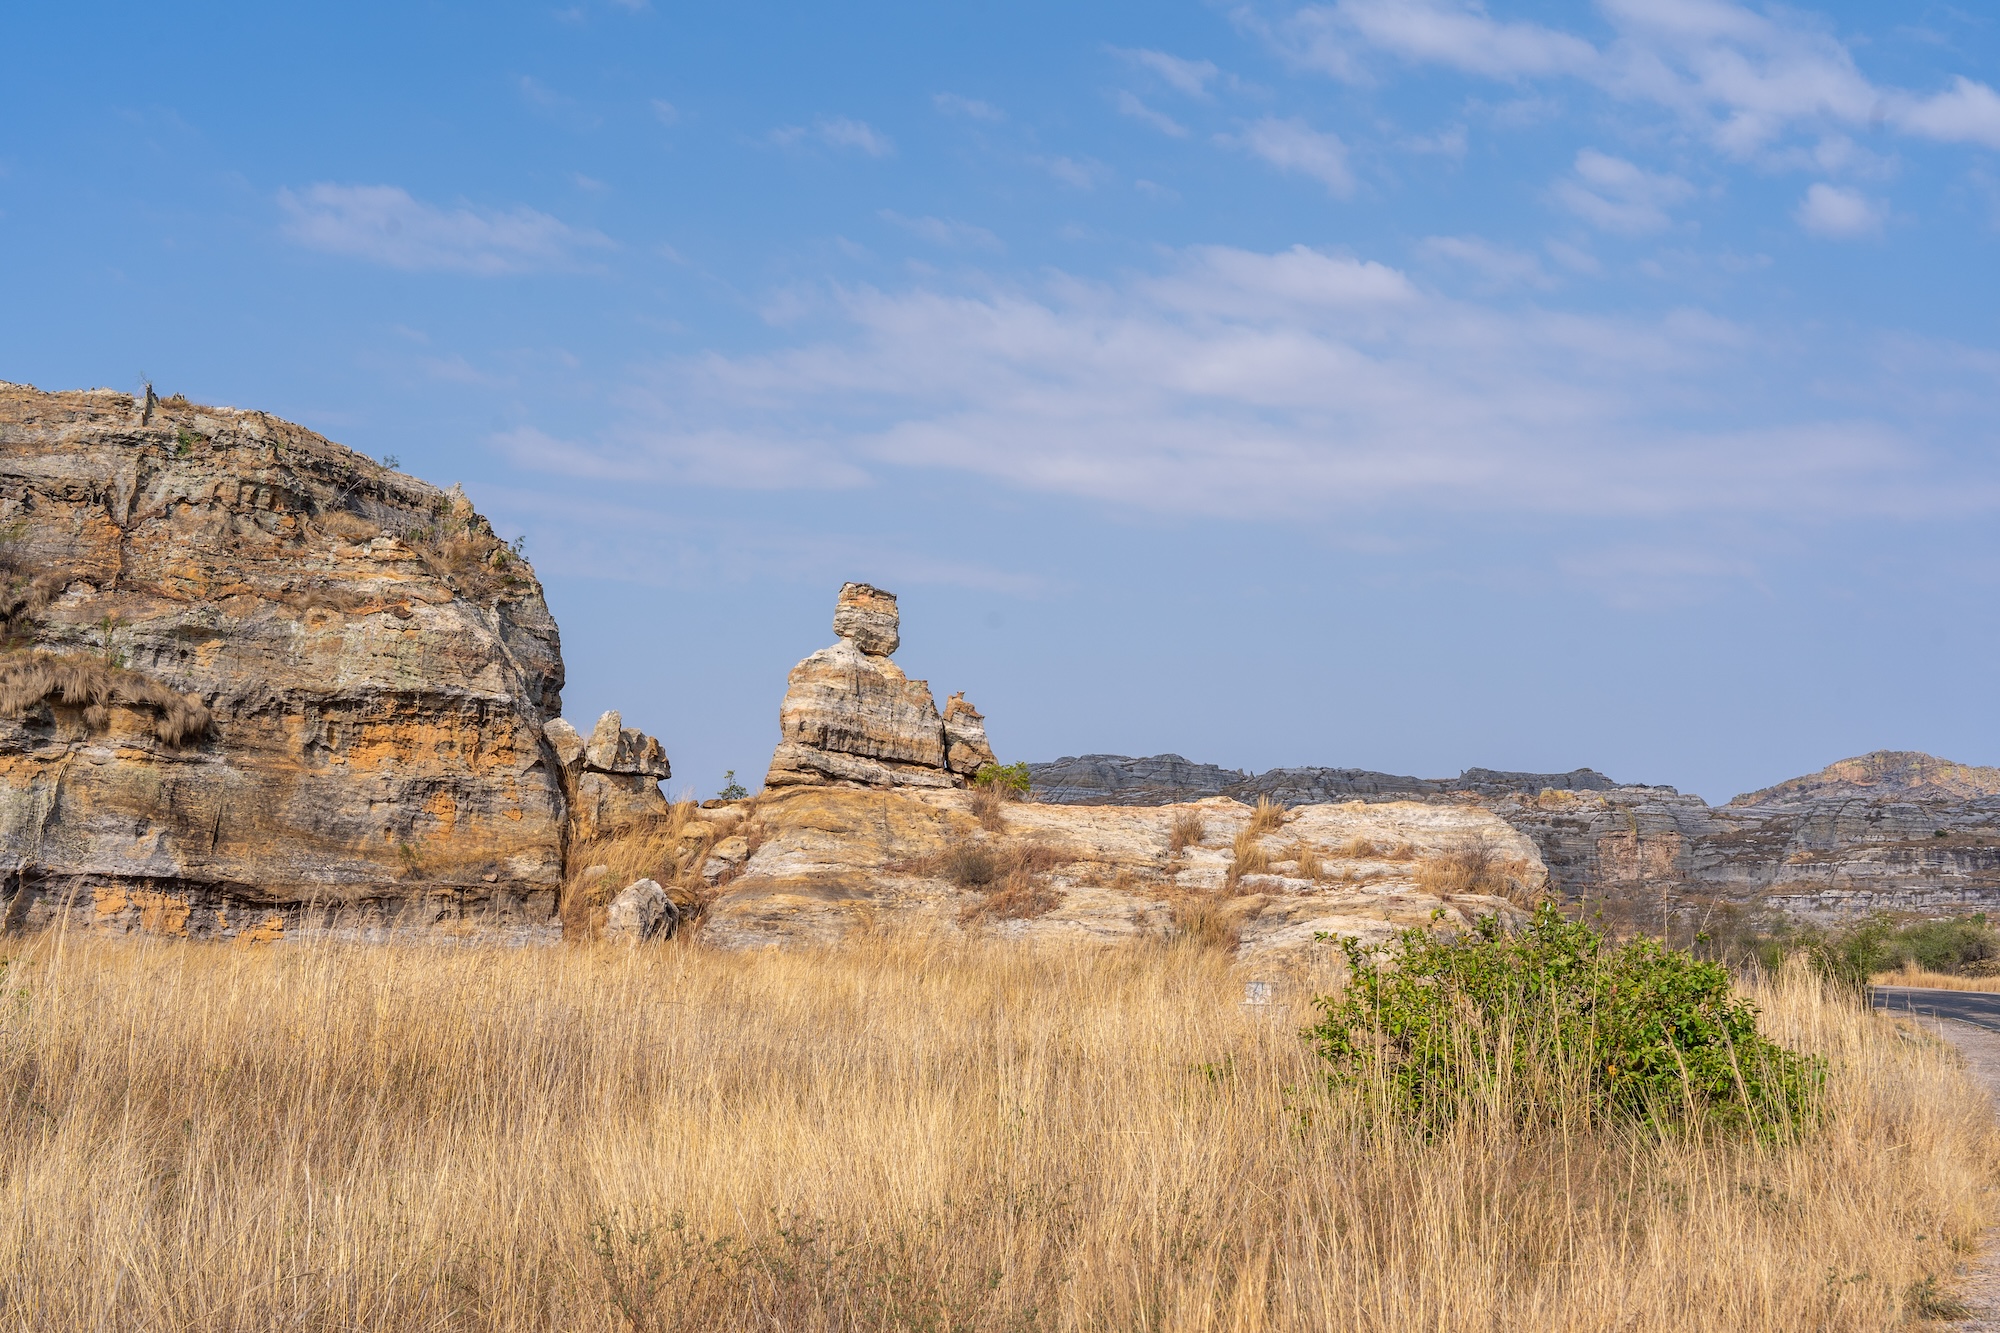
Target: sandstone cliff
815	865
851	717
253	680
1891	831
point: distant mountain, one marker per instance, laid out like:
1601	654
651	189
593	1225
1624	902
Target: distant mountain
1890	831
1909	774
1116	779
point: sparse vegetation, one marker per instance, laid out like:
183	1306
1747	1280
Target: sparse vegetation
1201	921
92	687
1248	856
669	851
1880	947
1011	779
732	790
1267	816
1306	860
906	1134
1187	830
1470	866
1560	1022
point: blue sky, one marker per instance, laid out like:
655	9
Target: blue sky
1393	384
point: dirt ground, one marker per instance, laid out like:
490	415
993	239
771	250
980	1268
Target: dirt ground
1981	1290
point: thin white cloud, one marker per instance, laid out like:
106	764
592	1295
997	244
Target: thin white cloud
1129	105
1293	146
1500	267
1742	76
1613	195
947	232
837	132
970	107
383	224
666	112
1298	384
643	450
1834	211
1078	175
1188	76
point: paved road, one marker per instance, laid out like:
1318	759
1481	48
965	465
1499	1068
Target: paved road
1980	1009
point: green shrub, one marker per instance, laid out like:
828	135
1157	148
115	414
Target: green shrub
1561	1022
1854	953
1007	777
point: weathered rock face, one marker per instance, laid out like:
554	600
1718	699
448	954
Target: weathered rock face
830	863
852	718
1892	831
376	666
611	781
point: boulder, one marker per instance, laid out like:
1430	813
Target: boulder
866	617
850	716
965	747
614	780
641	912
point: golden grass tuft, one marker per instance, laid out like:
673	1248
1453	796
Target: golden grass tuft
1201	921
1249	856
1268	815
916	1133
669	850
1306	858
1187	831
30	680
1471	866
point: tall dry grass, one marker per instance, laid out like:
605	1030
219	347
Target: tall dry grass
912	1134
1912	975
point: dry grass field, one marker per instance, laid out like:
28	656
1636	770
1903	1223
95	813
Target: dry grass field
1918	976
911	1135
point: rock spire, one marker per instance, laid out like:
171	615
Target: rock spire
852	718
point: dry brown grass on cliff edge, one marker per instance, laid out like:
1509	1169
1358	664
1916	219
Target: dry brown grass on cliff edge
914	1134
28	680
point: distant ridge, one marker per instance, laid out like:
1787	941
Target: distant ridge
1116	779
1883	773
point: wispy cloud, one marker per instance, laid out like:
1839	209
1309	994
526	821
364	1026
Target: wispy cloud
946	232
838	132
1832	210
1614	195
1081	175
1293	385
1744	77
1188	76
1499	267
1293	146
970	107
383	224
1129	105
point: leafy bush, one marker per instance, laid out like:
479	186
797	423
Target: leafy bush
1006	777
1854	953
1556	1017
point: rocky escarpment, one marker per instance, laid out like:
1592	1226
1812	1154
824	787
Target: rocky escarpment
1115	779
850	716
1893	831
817	865
253	681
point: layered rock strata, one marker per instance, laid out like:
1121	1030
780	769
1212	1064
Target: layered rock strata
850	716
254	682
1890	831
821	865
611	781
1115	779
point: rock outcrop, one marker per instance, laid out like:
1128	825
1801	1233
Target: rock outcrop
825	864
610	781
254	682
1890	831
850	716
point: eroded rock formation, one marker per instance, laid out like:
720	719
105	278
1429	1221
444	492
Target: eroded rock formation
610	781
1889	831
254	681
822	864
850	716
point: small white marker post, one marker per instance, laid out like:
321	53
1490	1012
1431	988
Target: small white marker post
1257	997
